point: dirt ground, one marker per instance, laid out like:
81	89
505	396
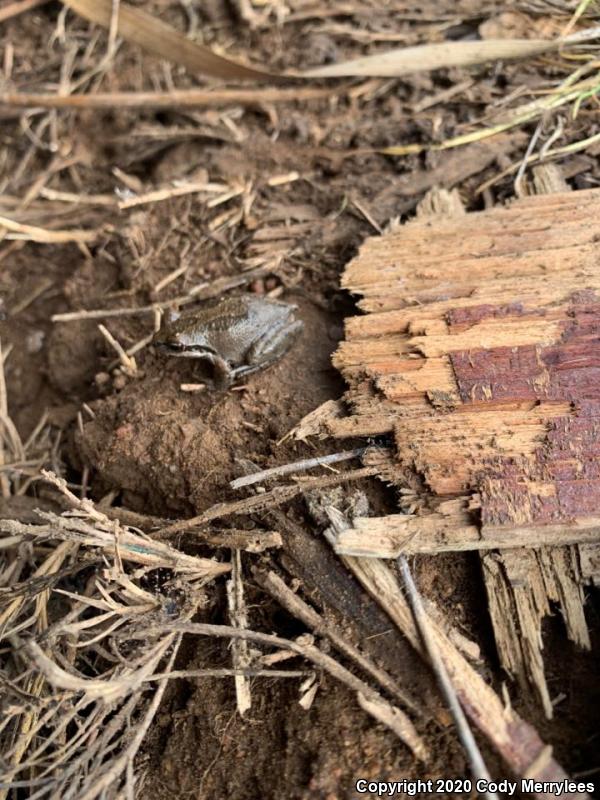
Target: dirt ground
150	447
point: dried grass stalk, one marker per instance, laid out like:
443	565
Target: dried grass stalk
85	673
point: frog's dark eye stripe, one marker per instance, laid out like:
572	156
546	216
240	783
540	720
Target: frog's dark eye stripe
202	348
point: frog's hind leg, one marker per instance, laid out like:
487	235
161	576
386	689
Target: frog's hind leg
273	344
267	350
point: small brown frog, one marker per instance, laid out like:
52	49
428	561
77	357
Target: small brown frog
236	336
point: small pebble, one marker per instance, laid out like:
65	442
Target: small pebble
257	286
101	379
35	341
119	381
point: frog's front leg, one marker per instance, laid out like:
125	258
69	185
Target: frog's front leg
222	374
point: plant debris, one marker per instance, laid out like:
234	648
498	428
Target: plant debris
170	623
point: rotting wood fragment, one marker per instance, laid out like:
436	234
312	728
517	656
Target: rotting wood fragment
448	530
535	578
488	369
480	354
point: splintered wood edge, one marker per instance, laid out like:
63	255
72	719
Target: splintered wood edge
517	741
396	534
438	359
413	259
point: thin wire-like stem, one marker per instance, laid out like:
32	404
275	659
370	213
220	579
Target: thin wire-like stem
465	734
296	466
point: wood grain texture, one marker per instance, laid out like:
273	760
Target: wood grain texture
480	353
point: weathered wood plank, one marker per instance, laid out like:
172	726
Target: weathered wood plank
443	532
488	369
480	354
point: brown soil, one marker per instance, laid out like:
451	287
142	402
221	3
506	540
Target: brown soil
169	453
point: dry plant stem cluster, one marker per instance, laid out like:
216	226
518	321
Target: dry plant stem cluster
109	713
141	28
75	673
126	635
369	699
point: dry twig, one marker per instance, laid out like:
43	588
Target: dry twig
296	466
368	698
34	234
180	98
203	291
274	585
239	619
465	734
19	7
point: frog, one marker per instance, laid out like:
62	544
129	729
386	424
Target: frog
236	336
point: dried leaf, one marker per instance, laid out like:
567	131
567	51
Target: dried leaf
162	40
405	60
